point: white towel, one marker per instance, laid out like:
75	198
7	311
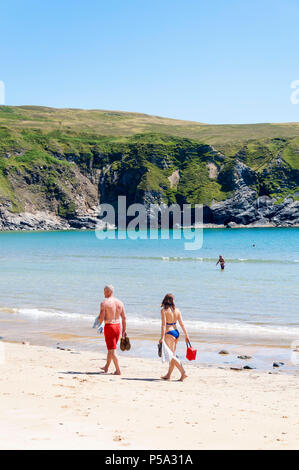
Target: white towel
167	354
98	326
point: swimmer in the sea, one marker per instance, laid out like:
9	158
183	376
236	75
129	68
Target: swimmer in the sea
221	260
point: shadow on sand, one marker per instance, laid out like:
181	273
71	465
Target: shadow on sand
71	372
140	379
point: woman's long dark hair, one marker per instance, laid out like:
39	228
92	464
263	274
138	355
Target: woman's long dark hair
168	302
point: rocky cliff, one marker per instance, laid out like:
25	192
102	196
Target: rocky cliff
56	179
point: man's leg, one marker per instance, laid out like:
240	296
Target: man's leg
115	361
108	362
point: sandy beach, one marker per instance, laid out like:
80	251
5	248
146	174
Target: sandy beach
56	399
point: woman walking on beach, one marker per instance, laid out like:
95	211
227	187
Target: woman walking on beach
170	315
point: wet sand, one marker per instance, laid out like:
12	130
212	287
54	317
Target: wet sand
78	335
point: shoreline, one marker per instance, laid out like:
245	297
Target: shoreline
204	227
77	334
55	399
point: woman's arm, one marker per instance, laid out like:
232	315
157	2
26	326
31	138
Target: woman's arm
163	325
180	320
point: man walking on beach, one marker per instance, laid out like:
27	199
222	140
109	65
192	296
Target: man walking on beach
111	311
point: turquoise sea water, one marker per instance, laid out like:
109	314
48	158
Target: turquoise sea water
55	279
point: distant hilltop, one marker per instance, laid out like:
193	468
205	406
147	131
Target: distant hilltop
120	123
57	165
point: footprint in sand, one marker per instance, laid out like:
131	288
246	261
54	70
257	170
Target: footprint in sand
40	438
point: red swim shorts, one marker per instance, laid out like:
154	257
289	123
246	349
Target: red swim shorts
112	334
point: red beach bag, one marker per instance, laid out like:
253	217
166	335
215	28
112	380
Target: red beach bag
191	353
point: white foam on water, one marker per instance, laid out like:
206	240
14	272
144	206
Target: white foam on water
239	328
233	328
40	313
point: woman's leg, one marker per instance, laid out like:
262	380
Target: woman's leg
171	342
179	365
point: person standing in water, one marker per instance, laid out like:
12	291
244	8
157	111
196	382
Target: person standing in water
111	311
170	315
221	260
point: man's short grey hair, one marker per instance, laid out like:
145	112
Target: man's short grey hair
109	287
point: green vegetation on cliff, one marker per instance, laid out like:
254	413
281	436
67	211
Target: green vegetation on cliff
50	157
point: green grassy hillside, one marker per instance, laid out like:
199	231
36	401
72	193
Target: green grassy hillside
118	123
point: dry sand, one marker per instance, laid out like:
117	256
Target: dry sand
53	399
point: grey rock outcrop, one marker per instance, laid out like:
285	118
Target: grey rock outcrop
246	207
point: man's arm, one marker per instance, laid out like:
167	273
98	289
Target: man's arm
123	320
102	313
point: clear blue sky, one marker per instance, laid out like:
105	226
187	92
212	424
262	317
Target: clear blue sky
216	61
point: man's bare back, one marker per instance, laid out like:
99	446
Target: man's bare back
112	310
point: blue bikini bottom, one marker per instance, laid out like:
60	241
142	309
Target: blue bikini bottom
175	333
